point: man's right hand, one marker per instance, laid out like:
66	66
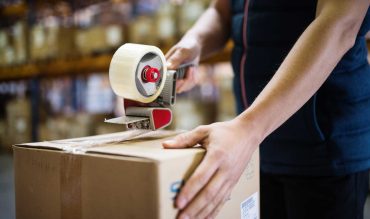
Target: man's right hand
186	51
208	35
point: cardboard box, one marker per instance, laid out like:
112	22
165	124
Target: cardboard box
51	42
93	177
65	43
19	42
18	121
38	42
98	39
143	30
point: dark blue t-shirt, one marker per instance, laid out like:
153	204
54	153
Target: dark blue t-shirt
330	134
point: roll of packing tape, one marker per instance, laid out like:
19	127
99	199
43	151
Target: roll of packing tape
126	72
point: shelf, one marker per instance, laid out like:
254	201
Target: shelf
83	65
57	67
16	10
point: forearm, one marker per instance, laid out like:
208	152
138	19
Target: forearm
212	29
304	70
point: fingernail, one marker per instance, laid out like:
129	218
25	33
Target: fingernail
184	216
170	142
181	203
179	91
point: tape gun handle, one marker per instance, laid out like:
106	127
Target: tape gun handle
181	70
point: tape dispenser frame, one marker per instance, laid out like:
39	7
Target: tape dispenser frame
143	112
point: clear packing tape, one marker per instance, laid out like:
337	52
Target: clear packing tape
138	73
125	71
81	145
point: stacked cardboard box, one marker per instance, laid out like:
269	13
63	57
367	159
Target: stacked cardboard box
18	121
189	13
19	41
12	44
51	42
98	39
166	25
78	125
143	30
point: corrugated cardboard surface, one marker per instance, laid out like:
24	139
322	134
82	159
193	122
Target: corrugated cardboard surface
130	179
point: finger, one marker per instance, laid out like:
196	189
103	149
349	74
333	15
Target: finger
168	56
221	196
179	84
207	199
188	82
187	139
197	180
175	59
216	210
170	52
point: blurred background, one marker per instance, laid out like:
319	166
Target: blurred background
54	60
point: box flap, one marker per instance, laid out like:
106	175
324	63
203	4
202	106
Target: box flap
135	143
144	148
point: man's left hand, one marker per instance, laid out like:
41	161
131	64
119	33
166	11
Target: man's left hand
229	146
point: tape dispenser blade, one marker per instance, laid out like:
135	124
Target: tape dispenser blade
131	122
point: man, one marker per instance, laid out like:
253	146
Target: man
302	84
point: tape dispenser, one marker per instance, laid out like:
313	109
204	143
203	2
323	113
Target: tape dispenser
138	73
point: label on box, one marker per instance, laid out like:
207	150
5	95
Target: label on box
249	207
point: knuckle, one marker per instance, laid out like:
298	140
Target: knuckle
201	179
185	139
188	140
208	195
206	211
180	138
218	154
228	161
234	180
201	129
183	50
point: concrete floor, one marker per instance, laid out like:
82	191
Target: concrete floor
7	204
7	200
367	208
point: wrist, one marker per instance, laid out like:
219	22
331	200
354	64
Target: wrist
195	36
249	122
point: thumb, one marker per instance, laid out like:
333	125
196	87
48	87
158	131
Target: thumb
188	139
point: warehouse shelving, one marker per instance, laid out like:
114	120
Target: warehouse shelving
16	10
33	70
81	65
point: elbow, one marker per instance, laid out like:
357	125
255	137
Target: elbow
343	19
343	29
347	31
